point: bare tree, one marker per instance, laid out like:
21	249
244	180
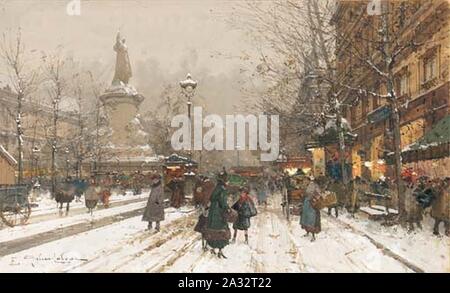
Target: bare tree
98	131
301	47
82	141
157	122
379	56
22	79
56	86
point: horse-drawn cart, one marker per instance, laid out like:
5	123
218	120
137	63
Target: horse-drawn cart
295	190
14	206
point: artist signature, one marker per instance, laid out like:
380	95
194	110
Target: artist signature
55	258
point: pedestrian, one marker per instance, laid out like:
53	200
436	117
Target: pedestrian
105	192
360	187
217	233
137	182
92	194
202	197
35	191
440	208
154	211
177	187
202	224
341	192
310	216
413	210
80	187
262	193
246	209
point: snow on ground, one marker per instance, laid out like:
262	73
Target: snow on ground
278	246
47	205
40	227
421	247
275	245
94	250
338	249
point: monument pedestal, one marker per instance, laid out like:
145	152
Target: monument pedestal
122	104
129	144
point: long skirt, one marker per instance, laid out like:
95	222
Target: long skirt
201	225
310	217
217	238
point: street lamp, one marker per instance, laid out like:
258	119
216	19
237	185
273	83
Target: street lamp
188	87
66	151
282	158
35	151
238	147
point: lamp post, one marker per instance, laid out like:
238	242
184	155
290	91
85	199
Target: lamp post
66	152
35	169
238	147
282	158
188	87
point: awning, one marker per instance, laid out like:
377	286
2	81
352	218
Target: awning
439	134
327	135
435	144
176	159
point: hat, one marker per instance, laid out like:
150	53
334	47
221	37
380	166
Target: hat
244	189
223	176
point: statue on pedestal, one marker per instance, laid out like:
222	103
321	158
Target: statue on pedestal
123	67
122	101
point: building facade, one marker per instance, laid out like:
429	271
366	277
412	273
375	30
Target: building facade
36	122
7	167
421	76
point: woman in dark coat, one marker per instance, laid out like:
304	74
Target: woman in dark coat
154	211
246	209
440	208
262	193
202	224
310	216
217	233
177	187
202	196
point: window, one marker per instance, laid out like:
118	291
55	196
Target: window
403	84
358	112
370	104
430	68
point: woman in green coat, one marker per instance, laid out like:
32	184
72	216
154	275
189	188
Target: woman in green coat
217	233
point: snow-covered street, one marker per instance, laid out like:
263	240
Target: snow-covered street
122	244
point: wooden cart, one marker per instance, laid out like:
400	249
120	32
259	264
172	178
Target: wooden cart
295	190
14	206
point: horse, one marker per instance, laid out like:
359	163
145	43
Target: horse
65	193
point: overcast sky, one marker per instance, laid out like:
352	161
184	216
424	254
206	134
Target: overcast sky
166	39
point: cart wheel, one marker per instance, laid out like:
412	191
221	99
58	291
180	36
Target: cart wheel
17	215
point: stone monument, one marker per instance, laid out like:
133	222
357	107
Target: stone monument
121	101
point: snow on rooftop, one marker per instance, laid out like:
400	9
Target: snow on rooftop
7	155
